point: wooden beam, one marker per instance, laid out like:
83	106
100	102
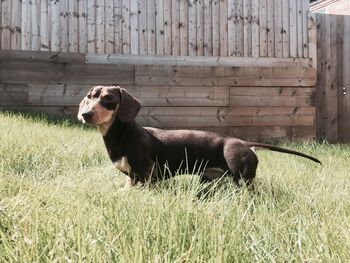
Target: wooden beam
209	121
13	94
196	60
34	56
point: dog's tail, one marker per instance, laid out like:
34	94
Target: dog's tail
282	150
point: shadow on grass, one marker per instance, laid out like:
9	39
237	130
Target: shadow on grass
42	117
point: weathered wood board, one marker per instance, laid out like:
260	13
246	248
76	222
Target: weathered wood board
333	86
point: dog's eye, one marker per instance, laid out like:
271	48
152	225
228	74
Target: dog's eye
89	96
108	97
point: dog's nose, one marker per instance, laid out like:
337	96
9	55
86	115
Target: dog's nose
88	116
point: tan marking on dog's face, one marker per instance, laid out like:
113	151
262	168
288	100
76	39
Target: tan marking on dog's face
104	127
103	104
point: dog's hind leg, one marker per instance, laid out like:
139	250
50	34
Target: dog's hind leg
241	161
232	169
249	163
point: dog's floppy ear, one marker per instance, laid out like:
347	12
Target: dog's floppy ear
129	106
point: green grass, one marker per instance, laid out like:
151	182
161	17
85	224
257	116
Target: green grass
61	201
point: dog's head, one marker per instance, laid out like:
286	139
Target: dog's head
103	104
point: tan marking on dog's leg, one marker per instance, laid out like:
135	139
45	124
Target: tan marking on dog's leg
123	165
132	177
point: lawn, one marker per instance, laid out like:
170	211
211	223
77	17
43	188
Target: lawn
61	201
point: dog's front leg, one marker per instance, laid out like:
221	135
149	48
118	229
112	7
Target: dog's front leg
129	182
133	178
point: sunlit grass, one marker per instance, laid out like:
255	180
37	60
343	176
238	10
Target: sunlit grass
61	201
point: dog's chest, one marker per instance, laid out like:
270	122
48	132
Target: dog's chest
123	165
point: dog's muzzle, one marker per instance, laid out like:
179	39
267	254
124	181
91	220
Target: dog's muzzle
87	116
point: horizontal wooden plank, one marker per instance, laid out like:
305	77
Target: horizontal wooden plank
35	56
224	76
13	94
21	72
196	60
204	71
299	101
276	133
55	95
183	101
59	90
207	121
262	133
62	111
154	70
180	95
177	92
273	91
226	111
70	95
261	72
223	81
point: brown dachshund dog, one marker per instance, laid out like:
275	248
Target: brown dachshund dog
149	154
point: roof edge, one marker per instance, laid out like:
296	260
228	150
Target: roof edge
315	6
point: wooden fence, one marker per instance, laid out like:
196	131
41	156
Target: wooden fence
248	102
242	28
237	67
333	74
